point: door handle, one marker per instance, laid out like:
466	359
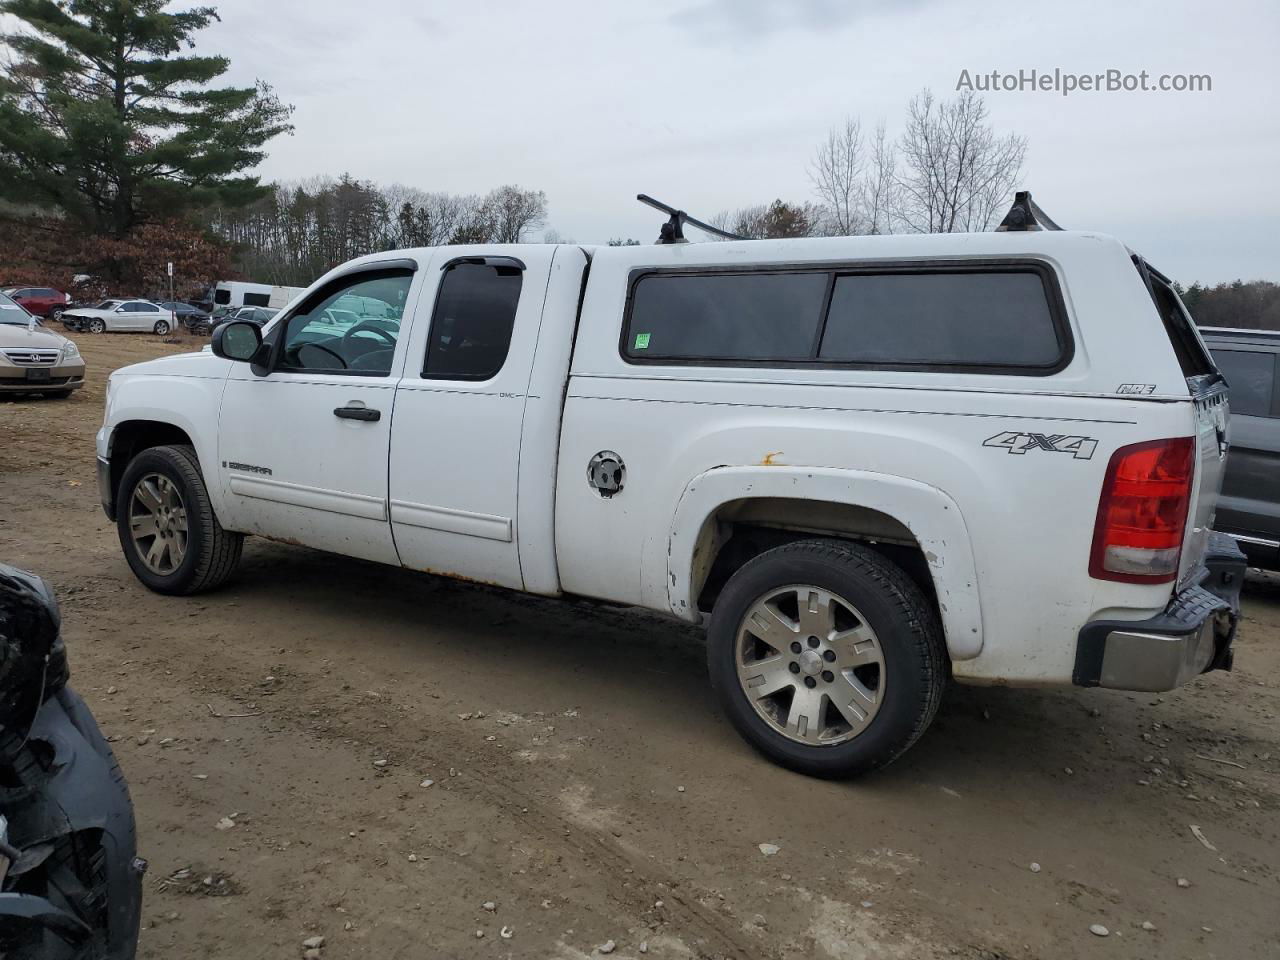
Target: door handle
358	413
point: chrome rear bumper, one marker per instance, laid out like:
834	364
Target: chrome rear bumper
1191	636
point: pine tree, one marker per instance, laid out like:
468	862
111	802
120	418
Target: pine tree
103	116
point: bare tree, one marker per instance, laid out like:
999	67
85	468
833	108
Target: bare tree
881	194
837	176
770	220
513	211
956	173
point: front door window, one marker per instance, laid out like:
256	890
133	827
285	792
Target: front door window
350	326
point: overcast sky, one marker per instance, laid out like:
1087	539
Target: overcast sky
715	104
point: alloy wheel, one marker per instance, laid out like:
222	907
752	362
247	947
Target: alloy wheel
810	665
158	523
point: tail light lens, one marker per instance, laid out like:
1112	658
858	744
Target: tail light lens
1143	512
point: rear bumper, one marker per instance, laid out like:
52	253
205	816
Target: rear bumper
1192	635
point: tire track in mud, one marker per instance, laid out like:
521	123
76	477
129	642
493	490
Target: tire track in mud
711	935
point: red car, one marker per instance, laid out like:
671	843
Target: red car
42	301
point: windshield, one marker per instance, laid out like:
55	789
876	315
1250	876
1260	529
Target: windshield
10	312
107	305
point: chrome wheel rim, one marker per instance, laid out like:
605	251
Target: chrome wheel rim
96	326
162	327
810	665
158	523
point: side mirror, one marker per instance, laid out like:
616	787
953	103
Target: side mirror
237	340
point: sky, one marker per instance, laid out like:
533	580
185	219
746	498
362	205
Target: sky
719	104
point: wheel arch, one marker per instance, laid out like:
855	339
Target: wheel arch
130	437
728	514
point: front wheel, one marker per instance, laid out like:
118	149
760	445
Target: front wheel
170	536
57	313
96	326
826	657
161	328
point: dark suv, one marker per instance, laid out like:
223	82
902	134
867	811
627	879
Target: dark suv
1250	506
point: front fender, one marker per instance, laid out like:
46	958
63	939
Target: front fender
189	403
933	518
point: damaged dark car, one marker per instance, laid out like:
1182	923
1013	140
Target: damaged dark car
70	878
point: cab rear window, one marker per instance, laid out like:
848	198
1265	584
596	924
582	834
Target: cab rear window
972	317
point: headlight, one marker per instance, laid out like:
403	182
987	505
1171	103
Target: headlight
70	351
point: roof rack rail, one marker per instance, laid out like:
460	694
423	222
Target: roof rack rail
1025	215
673	230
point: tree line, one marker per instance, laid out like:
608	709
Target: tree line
298	231
1252	305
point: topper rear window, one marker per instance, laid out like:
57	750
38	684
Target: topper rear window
971	317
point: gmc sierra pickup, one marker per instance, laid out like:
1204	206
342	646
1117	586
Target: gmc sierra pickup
868	464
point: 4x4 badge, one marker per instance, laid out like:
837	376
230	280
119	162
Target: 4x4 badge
1081	448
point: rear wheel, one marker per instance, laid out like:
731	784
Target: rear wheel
96	325
826	657
161	328
167	528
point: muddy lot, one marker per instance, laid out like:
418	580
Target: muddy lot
278	736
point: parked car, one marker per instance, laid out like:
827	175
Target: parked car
258	315
1250	505
119	316
42	301
871	464
33	358
70	877
191	317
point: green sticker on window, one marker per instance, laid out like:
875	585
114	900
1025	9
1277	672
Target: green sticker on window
642	341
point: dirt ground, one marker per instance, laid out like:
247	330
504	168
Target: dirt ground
277	736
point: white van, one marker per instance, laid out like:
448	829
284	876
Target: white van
230	294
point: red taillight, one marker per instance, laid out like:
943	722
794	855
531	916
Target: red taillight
1143	512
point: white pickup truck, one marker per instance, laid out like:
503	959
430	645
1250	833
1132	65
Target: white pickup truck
869	464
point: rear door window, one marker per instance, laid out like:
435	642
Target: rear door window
1251	377
471	325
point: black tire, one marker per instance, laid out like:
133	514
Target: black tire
905	623
96	325
161	328
211	552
